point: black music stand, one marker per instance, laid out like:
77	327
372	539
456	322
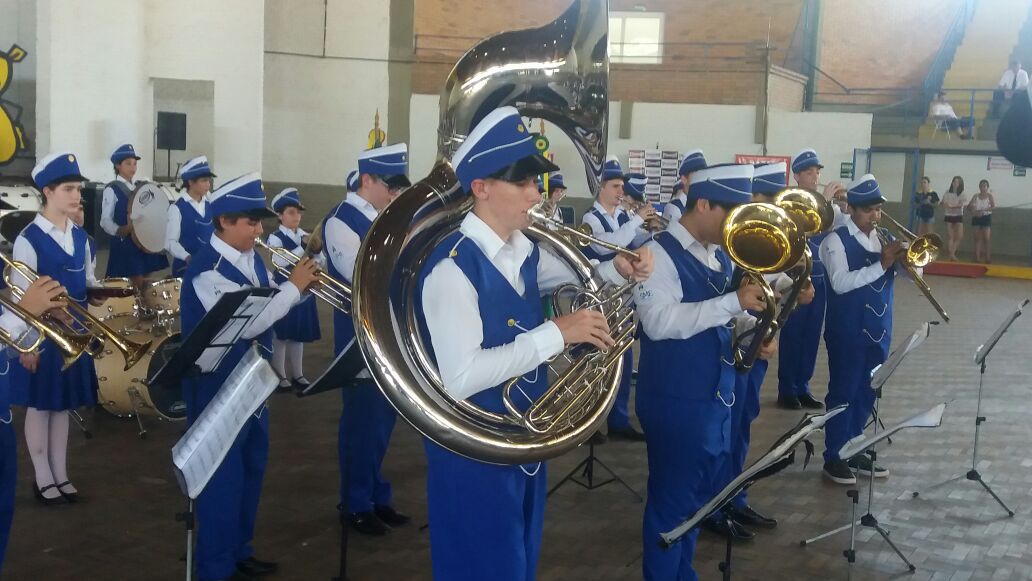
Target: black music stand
341	373
212	339
981	354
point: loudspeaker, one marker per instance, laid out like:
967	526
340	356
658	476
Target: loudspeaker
171	131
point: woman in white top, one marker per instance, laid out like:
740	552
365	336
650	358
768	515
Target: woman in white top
953	202
981	207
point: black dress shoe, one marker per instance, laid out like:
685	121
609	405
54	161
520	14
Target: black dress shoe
789	402
390	516
721	528
300	383
285	386
628	433
598	438
809	402
38	493
748	516
368	523
72	497
254	568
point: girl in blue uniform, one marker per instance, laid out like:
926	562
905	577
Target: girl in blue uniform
126	258
486	519
301	325
53	246
189	219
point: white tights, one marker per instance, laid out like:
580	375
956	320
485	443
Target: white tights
286	358
46	435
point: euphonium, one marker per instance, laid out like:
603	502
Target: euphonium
558	72
919	251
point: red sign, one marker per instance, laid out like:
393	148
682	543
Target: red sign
757	159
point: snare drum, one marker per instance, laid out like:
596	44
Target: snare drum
124	393
115	306
161	297
148	212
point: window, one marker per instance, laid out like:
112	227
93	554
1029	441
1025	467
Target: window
636	37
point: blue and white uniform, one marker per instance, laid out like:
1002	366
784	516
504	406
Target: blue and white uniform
189	224
694	160
126	259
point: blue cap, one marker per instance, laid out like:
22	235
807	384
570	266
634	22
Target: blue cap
634	186
693	161
728	183
500	140
195	168
864	192
555	181
56	167
288	197
352	180
540	183
804	160
243	194
124	151
389	161
770	178
611	169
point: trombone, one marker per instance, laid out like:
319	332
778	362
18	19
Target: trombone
335	293
95	333
919	251
579	236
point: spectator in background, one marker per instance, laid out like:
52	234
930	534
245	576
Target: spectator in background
943	115
981	207
1013	79
954	202
925	201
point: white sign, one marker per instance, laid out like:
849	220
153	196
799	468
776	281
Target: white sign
995	162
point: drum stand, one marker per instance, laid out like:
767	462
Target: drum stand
80	422
136	400
586	468
187	518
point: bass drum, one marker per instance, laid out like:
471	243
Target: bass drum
148	212
124	393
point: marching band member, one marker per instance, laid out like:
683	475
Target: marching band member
367	418
634	195
481	306
53	246
79	219
612	223
351	182
228	506
858	329
126	259
686	365
189	221
301	324
556	193
693	161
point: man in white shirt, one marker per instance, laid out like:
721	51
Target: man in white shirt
942	113
858	329
1014	79
482	310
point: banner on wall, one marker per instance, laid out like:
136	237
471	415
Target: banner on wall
997	162
760	159
12	134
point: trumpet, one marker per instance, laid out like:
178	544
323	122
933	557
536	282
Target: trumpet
579	235
94	334
335	293
919	252
654	223
72	346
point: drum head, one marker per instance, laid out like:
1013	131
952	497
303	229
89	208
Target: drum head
148	211
168	401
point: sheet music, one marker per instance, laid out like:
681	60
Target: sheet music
201	450
249	310
930	418
983	350
881	374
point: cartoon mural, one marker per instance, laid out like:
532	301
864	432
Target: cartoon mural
12	135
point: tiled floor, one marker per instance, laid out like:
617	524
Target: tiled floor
126	529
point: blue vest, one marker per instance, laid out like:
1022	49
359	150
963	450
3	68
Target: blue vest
504	314
343	326
53	261
193	311
818	272
709	352
677	203
195	230
289	244
863	316
122	193
593	254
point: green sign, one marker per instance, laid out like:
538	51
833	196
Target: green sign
1019	172
846	170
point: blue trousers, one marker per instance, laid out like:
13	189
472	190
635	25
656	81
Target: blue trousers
228	506
366	422
485	520
745	410
619	416
688	442
8	479
850	383
798	344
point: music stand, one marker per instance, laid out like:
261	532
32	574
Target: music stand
202	352
981	354
340	374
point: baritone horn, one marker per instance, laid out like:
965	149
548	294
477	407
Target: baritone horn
919	251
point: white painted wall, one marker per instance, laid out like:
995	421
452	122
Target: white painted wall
1007	189
890	171
832	135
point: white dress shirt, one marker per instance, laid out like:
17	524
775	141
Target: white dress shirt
24	252
672	212
1011	81
453	315
299	251
660	310
175	225
341	242
942	110
210	285
107	206
620	236
833	254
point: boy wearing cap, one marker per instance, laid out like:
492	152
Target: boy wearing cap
301	324
693	161
126	259
486	519
858	329
367	418
686	365
228	506
53	246
556	193
189	221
